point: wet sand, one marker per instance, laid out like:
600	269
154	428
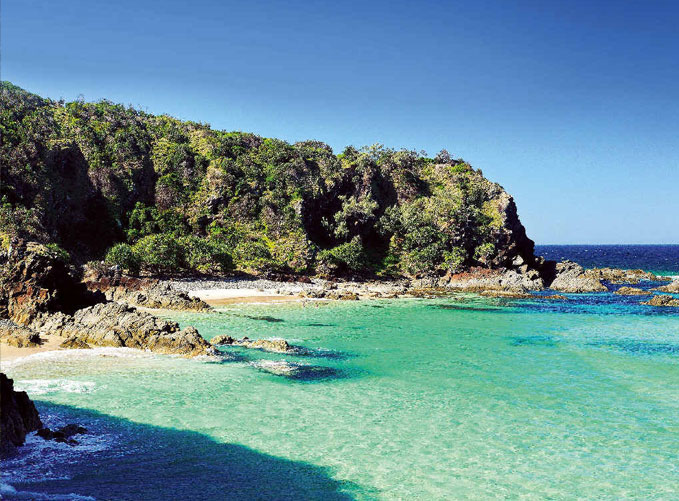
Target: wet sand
11	353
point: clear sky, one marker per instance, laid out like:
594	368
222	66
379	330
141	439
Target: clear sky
573	106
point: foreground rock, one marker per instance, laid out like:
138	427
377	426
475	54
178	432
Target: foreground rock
662	300
631	291
18	416
121	325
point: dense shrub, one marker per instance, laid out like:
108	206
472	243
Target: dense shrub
122	255
159	253
349	256
206	255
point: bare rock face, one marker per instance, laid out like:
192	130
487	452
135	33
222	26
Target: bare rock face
35	280
571	277
73	343
121	325
18	416
663	300
618	276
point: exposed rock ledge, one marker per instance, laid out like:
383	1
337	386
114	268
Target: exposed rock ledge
40	293
663	300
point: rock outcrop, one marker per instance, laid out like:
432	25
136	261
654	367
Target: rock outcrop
18	416
671	287
121	325
272	345
662	300
571	277
632	291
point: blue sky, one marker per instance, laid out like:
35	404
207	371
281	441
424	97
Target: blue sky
573	106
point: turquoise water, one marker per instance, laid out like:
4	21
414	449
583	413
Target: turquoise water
403	399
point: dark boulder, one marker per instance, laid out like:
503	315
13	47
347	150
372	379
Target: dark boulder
18	416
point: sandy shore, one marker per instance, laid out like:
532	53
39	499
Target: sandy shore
11	353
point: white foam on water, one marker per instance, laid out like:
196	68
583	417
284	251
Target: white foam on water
45	386
59	355
9	492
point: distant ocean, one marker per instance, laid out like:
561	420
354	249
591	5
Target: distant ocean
659	259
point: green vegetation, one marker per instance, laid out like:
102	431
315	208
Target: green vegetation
157	194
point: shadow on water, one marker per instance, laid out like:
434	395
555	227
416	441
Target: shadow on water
548	341
155	463
264	318
638	348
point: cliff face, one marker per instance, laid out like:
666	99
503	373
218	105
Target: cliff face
18	416
182	196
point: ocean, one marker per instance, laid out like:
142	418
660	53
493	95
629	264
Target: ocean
450	398
659	259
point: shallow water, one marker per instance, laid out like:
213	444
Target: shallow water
462	397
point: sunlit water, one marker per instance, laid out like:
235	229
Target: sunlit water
405	399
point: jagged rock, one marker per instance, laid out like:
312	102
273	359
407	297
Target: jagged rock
120	325
631	291
18	416
221	340
571	277
506	294
662	300
73	343
18	335
672	287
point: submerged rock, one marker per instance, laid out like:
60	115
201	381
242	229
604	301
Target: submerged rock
662	300
559	297
63	434
506	294
18	416
631	291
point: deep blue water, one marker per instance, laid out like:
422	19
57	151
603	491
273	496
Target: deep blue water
663	259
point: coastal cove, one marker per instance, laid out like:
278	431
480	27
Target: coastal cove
509	396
